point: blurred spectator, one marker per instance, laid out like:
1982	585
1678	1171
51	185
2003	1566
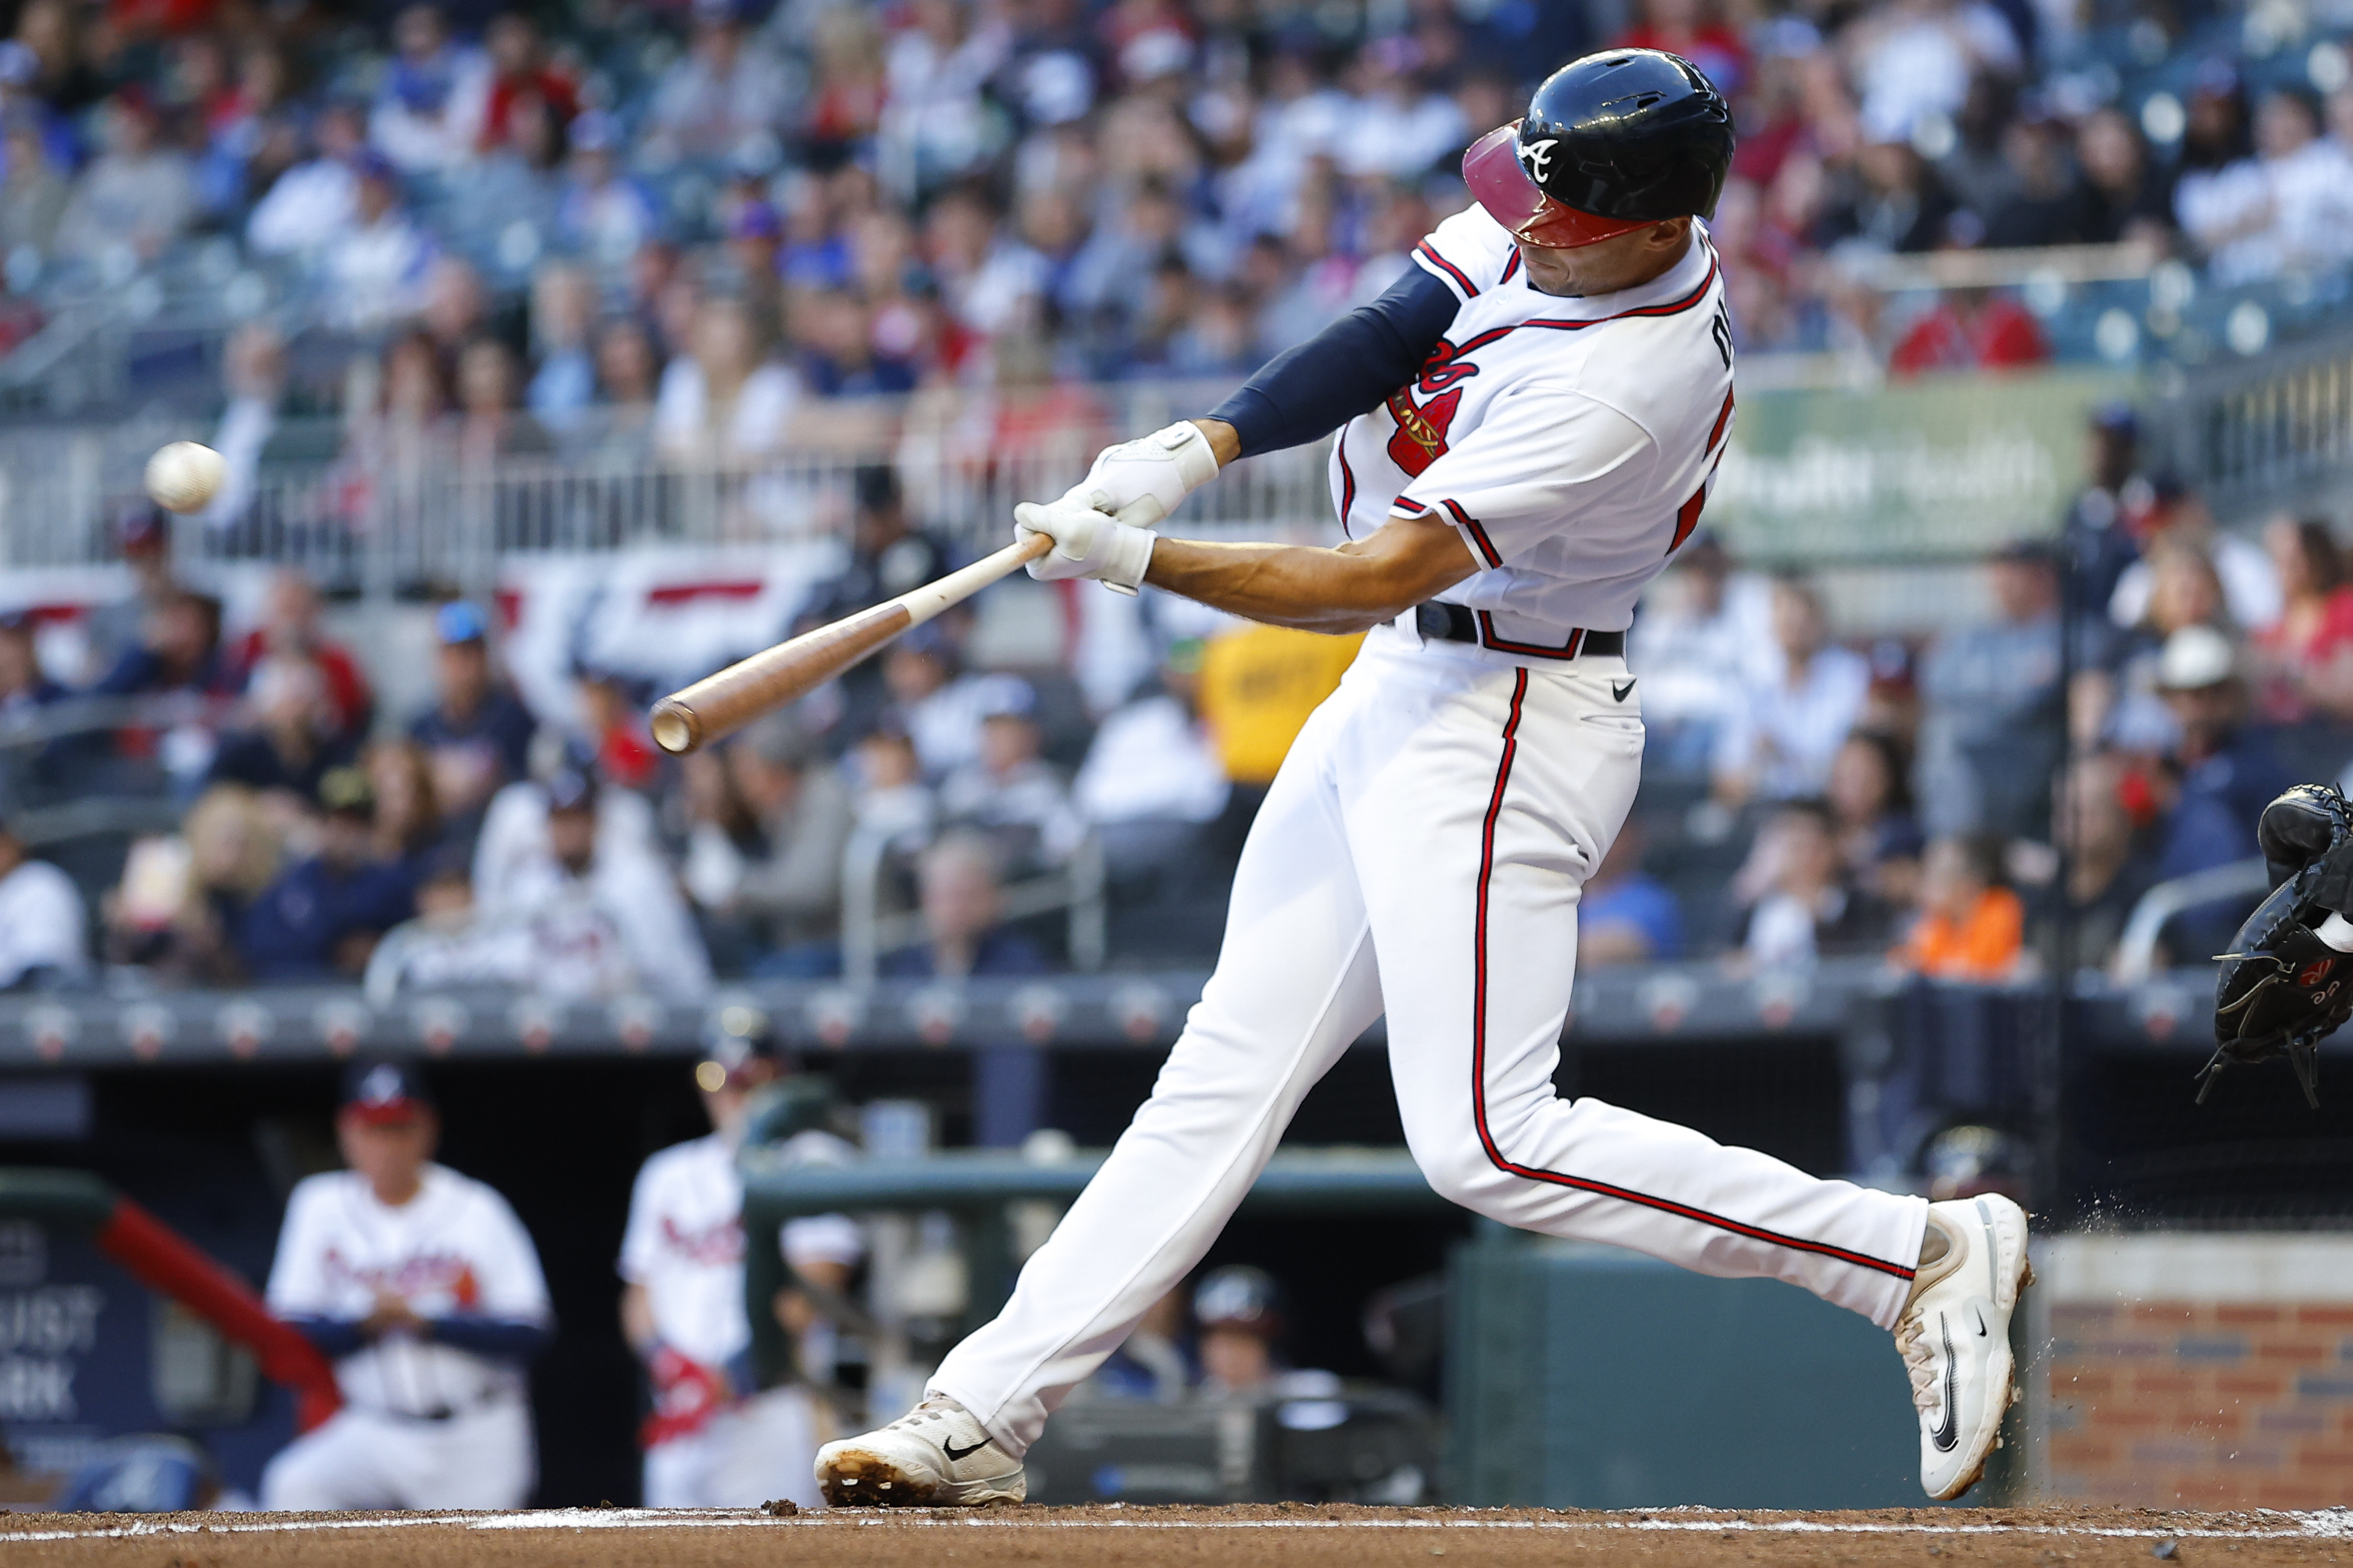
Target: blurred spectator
1781	740
374	269
2249	585
613	725
294	739
1152	760
888	555
251	429
33	187
2101	534
725	89
2287	209
1879	837
607	923
25	687
891	799
2227	770
408	829
291	628
1992	721
1008	791
434	96
2107	867
723	400
1970	926
940	704
140	192
182	900
322	918
490	425
2125	192
962	892
314	201
179	651
1695	30
1259	684
2302	663
562	323
521	73
1625	915
1970	329
600	210
478	732
44	932
1703	640
1801	906
144	534
799	813
1894	202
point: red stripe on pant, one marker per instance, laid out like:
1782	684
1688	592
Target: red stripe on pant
1479	1051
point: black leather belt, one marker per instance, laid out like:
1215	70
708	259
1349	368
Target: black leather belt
1457	623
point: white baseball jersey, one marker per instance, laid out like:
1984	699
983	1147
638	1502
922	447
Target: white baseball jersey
456	1247
684	1242
1421	852
1571	441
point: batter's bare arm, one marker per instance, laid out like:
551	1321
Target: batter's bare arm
1348	589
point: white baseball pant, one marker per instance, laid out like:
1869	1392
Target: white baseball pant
482	1457
1420	853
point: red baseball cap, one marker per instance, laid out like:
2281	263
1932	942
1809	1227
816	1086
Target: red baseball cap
1492	169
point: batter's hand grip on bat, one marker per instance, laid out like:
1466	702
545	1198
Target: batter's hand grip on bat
720	704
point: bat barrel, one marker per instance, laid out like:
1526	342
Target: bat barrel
718	704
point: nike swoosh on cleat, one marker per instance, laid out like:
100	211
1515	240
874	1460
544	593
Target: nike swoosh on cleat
1980	1318
956	1456
1949	1432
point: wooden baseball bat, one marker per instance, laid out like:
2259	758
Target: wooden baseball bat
720	704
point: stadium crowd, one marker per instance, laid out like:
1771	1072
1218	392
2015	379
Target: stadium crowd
1802	797
715	210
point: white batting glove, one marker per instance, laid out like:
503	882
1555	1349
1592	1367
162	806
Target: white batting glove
1087	543
1141	481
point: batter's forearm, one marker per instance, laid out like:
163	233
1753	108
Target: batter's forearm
1336	591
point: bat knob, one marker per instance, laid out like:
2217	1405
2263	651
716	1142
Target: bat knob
676	729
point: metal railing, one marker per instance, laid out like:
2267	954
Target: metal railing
2267	433
404	507
2135	955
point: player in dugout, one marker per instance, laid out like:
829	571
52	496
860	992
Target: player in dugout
425	1290
1530	421
714	1438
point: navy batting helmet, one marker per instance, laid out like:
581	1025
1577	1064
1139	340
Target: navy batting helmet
1610	142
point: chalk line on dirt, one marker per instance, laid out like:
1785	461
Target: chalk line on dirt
2330	1524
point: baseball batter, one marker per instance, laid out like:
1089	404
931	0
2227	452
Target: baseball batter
425	1290
1530	422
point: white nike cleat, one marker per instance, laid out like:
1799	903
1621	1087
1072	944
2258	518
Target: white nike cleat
1955	1336
935	1456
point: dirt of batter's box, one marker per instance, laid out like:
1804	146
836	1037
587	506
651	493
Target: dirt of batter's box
1290	1535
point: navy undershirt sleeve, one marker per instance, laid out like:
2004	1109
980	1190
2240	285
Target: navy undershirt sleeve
335	1337
507	1338
1312	388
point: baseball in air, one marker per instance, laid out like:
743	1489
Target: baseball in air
185	476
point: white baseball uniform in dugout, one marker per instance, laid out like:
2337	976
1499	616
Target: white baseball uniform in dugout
1421	851
684	1244
425	1425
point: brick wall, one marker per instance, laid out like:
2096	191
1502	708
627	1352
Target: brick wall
2196	1370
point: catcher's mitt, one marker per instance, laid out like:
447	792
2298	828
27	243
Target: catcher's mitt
2283	989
